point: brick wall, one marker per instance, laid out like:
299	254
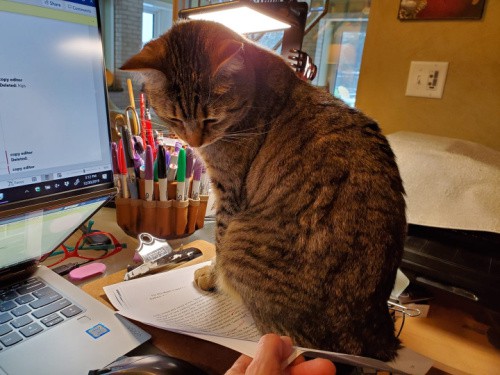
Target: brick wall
128	35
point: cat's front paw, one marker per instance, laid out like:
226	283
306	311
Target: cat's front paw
205	278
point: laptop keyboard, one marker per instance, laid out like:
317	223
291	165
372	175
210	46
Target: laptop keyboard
28	308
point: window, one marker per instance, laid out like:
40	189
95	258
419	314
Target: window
339	59
156	19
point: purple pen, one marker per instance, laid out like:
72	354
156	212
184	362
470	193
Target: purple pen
167	158
116	167
189	169
149	174
114	156
138	163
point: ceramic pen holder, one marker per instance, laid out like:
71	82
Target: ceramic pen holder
163	219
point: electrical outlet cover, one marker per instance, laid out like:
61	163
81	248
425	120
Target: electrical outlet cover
426	79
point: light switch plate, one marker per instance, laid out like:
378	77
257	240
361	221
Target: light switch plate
426	79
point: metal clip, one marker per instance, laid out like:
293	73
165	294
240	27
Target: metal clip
151	249
403	309
157	253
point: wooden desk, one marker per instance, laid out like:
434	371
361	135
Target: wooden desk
454	340
449	336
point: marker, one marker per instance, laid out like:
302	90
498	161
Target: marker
172	170
181	175
204	181
195	192
116	166
189	169
142	106
123	170
128	150
162	173
149	182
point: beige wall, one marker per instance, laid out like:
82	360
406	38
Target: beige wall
470	107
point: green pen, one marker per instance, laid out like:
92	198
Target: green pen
181	175
155	169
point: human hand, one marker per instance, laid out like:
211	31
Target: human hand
272	351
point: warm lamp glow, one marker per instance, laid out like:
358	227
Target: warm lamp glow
242	19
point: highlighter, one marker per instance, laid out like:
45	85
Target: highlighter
181	174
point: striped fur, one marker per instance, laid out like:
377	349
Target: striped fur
310	207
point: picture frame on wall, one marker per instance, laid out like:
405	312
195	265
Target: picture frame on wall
440	9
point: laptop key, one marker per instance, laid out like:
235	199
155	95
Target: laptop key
30	287
7	295
52	308
71	311
43	292
4	329
11	339
21	310
5	317
31	329
21	322
24	299
7	305
51	320
45	300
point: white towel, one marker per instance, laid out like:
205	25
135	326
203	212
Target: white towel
449	183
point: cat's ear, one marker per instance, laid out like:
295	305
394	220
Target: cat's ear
149	58
228	58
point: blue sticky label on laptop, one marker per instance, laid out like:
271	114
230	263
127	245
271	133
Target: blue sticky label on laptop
97	330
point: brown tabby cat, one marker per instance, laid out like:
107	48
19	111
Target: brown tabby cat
310	208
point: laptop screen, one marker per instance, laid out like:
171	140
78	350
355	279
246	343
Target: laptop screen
32	235
55	157
54	130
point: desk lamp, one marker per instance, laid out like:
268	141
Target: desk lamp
246	16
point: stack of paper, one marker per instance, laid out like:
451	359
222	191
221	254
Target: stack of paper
171	301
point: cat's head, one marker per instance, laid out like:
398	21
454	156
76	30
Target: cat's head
197	78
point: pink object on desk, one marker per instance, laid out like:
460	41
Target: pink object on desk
87	271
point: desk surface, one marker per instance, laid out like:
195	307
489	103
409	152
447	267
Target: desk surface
451	337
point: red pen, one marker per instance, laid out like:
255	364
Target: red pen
122	165
149	129
142	106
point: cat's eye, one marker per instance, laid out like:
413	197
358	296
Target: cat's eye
210	121
175	120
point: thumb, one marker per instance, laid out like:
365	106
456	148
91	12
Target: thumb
271	352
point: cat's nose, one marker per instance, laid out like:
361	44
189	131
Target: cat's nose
194	139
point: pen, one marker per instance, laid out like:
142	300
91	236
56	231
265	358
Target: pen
142	106
181	175
189	169
172	170
204	181
123	170
149	128
116	166
162	173
128	151
195	192
149	181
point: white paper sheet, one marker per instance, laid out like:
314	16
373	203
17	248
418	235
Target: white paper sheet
171	301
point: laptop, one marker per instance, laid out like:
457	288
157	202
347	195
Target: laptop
55	173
